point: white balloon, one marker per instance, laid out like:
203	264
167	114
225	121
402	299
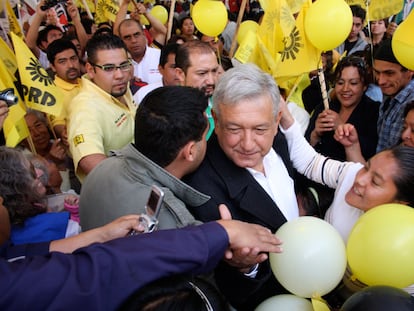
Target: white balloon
313	260
285	302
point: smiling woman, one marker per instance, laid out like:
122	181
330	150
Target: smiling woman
350	105
387	177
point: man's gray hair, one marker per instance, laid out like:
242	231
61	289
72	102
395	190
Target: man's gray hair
246	81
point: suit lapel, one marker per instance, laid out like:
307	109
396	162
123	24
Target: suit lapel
243	188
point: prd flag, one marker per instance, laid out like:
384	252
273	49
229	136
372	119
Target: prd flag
299	55
39	90
277	23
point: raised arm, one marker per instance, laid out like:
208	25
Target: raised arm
121	15
158	31
347	135
76	21
33	32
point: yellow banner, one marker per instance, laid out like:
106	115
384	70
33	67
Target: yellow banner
379	9
39	89
277	22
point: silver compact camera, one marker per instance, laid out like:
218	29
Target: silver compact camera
149	220
8	96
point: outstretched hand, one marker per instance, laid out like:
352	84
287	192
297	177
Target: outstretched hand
249	243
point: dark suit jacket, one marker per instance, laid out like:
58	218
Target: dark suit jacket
227	183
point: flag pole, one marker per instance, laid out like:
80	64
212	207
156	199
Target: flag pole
321	77
88	11
239	19
170	20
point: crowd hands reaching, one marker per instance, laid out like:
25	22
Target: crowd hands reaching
367	126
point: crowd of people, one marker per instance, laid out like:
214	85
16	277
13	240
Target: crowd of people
234	160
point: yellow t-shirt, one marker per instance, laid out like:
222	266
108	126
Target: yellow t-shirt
69	90
98	122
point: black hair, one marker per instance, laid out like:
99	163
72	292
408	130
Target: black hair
182	58
408	108
167	119
103	42
169	48
176	293
87	24
103	31
358	11
59	46
42	36
353	61
404	178
225	62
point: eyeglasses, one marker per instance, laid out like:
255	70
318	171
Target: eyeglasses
110	68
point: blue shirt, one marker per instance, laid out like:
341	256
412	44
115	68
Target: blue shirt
390	121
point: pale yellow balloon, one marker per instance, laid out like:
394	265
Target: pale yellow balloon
402	42
313	260
285	302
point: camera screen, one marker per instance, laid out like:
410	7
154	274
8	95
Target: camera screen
152	203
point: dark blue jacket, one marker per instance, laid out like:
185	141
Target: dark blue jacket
102	276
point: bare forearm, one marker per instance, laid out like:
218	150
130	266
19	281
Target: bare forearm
68	245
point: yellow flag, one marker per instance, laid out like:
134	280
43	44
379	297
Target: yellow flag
277	22
14	127
247	47
13	22
100	12
39	90
111	9
295	5
9	81
8	78
8	58
299	55
106	10
379	9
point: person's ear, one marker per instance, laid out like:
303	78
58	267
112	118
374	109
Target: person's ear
189	151
180	75
90	70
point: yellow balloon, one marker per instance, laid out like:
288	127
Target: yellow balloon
143	20
210	17
328	23
380	248
160	13
402	42
244	28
